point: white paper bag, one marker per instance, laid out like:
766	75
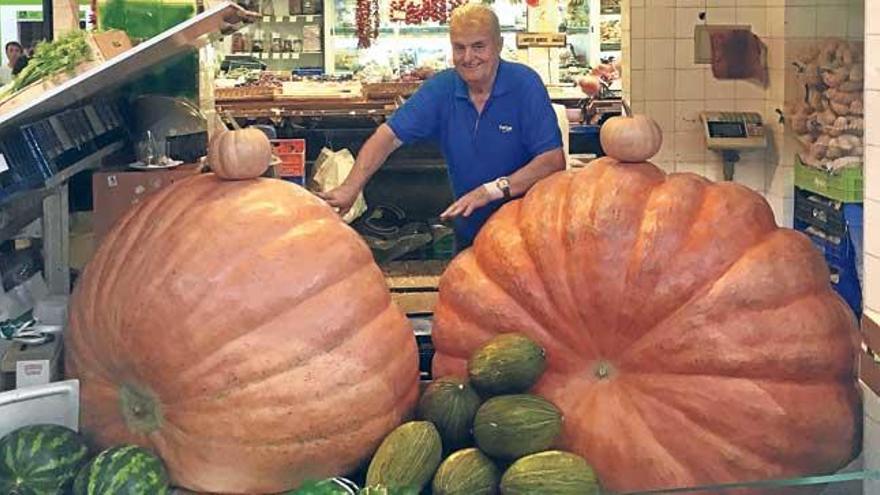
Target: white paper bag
331	169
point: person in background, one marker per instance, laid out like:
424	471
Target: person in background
17	60
492	118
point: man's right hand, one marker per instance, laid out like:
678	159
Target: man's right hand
341	198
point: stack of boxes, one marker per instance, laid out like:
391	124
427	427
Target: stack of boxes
828	208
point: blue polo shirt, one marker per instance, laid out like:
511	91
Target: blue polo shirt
517	124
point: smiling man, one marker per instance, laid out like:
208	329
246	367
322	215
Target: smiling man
492	118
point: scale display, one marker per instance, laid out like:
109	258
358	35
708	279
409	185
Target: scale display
733	130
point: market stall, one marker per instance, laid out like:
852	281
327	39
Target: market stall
182	312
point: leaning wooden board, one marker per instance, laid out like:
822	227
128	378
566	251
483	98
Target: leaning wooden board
414	284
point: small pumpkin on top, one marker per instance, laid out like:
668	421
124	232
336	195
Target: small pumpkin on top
239	154
630	138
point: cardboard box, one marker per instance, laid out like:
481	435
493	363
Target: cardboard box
115	191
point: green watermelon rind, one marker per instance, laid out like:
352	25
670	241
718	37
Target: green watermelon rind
40	459
124	470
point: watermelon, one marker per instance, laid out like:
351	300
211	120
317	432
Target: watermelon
40	459
123	470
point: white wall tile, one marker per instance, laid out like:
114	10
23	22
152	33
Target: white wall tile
776	22
871	294
637	22
779	180
775	53
872	110
872	61
684	54
638	79
872	17
719	89
661	23
689	146
689	84
721	15
856	21
832	21
720	3
756	17
660	54
652	4
800	22
783	210
755	105
685	20
777	85
637	49
751	3
872	176
698	168
872	219
688	3
751	170
636	3
664	113
687	115
660	84
750	90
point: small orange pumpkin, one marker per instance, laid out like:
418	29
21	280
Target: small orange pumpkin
631	138
240	154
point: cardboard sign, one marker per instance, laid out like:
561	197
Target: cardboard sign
540	40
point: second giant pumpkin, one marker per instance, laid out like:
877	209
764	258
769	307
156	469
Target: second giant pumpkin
689	339
243	332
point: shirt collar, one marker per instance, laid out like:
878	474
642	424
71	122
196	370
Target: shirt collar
499	87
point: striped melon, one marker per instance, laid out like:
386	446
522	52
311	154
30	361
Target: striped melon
123	470
40	459
511	426
451	404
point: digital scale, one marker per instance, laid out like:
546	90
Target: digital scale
731	132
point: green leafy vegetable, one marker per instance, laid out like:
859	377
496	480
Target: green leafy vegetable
54	57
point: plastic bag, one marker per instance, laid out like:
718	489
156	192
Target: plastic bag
331	168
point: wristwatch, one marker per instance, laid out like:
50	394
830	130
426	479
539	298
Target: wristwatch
504	184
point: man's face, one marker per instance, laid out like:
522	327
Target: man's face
475	54
13	52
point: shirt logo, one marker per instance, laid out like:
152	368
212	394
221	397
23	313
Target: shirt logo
504	128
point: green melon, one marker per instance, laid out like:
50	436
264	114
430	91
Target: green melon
508	364
451	404
553	471
407	457
466	472
511	426
40	459
384	490
123	470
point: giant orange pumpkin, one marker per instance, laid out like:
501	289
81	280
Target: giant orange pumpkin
242	331
689	339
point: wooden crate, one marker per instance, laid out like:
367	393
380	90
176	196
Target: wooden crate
389	90
414	284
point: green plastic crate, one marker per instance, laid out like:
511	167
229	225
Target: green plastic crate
846	186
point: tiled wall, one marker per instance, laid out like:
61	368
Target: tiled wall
872	217
660	79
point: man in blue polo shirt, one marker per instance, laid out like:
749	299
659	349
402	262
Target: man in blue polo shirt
492	118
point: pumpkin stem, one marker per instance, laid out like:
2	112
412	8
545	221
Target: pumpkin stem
140	408
603	370
627	110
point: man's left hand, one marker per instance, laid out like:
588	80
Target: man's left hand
466	204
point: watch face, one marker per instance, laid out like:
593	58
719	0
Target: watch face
503	182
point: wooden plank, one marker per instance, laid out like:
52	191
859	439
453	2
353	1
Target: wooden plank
415	302
871	333
869	371
401	275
